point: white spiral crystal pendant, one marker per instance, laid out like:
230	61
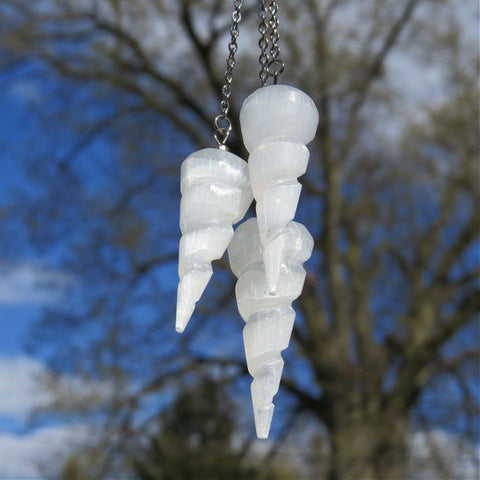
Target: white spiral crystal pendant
277	122
269	319
216	194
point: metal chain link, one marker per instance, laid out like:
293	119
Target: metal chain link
263	42
271	64
276	66
223	125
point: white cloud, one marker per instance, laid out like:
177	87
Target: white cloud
27	284
32	454
405	71
19	389
37	453
22	387
458	457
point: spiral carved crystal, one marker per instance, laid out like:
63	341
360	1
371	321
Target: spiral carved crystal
216	194
269	319
277	122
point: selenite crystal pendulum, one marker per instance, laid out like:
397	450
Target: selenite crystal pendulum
266	253
216	194
277	122
269	318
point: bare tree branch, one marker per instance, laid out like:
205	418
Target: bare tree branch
373	70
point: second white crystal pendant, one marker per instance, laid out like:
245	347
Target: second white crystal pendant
269	319
216	194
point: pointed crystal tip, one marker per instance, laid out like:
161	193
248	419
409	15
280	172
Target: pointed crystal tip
181	323
184	311
190	289
263	420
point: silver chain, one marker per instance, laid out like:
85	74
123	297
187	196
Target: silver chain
276	66
223	125
263	42
271	64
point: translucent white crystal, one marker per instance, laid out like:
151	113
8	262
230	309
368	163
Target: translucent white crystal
216	194
277	122
269	319
278	111
294	243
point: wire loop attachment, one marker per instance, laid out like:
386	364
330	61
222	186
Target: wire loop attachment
223	125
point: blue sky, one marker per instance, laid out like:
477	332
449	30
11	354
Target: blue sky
29	281
21	290
15	316
26	285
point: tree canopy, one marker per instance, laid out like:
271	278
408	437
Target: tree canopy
385	337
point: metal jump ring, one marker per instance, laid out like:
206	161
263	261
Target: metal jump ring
227	124
275	68
222	130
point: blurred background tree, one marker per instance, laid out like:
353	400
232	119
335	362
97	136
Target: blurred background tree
189	430
386	339
193	439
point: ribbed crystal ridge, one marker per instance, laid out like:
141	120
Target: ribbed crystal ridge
269	319
216	194
277	123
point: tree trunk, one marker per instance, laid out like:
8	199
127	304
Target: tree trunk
368	448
